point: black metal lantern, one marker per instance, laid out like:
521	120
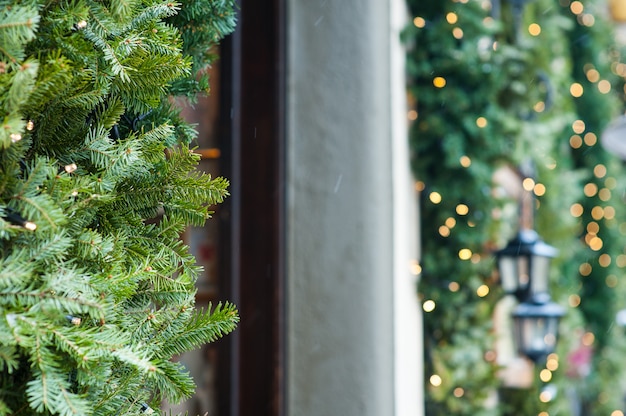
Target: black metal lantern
524	265
537	327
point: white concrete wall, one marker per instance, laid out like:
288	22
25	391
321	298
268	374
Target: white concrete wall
353	343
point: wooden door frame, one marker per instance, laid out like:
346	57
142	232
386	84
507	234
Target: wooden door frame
251	368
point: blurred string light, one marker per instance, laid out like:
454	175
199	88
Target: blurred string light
439	82
452	18
436	380
545	375
578	126
574	300
576	89
534	29
552	363
419	22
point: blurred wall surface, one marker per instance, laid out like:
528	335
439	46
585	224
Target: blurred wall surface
353	320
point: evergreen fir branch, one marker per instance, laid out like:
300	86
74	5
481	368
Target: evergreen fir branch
13	127
124	9
109	114
188	213
153	13
17	27
167	281
48	391
135	359
50	250
36	174
204	327
21	85
109	54
53	77
4	409
39	209
48	302
202	25
101	21
86	100
14	272
172	381
9	361
90	244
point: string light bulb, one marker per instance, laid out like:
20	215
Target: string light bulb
16	219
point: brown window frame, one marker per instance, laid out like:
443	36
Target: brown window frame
251	367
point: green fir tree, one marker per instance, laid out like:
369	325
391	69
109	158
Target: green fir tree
97	182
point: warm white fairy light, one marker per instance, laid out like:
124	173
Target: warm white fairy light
439	82
578	126
435	197
545	375
574	300
415	267
465	161
592	75
534	29
436	380
590	189
576	89
576	7
528	184
452	18
539	189
462	209
576	141
590	139
585	269
604	86
552	362
419	22
482	291
604	260
599	170
576	210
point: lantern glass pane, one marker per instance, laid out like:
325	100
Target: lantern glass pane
523	270
508	273
533	336
536	336
540	273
